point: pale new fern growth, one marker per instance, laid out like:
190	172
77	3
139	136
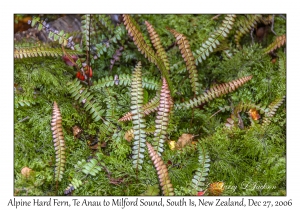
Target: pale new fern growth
162	118
139	142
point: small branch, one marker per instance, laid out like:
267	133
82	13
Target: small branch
26	118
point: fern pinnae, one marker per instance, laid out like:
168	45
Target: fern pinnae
198	181
189	59
148	108
162	172
279	42
271	110
214	40
246	23
59	142
144	48
138	121
214	92
162	118
157	45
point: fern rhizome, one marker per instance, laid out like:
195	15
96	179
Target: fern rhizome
150	105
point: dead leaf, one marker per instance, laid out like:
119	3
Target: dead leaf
26	171
76	131
184	139
254	114
172	144
129	135
216	188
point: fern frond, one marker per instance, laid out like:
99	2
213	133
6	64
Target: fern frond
162	118
213	92
246	23
42	51
161	53
144	48
189	59
75	184
271	110
214	40
198	181
138	148
86	30
125	80
63	38
162	171
91	168
23	101
84	96
59	142
106	21
148	108
279	42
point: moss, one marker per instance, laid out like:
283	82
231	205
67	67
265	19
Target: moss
241	158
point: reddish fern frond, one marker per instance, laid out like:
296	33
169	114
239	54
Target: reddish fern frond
162	171
162	118
279	42
157	45
189	59
148	108
138	39
271	110
214	92
59	142
144	48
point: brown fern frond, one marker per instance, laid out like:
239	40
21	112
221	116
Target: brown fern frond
279	42
59	142
162	118
126	117
144	48
138	39
189	59
214	92
157	45
162	171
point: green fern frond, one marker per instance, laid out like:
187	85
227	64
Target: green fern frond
148	108
42	51
23	101
162	172
279	42
214	40
138	148
162	118
161	53
151	191
106	21
213	92
198	181
125	80
75	184
84	96
60	36
91	168
271	110
59	142
246	23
